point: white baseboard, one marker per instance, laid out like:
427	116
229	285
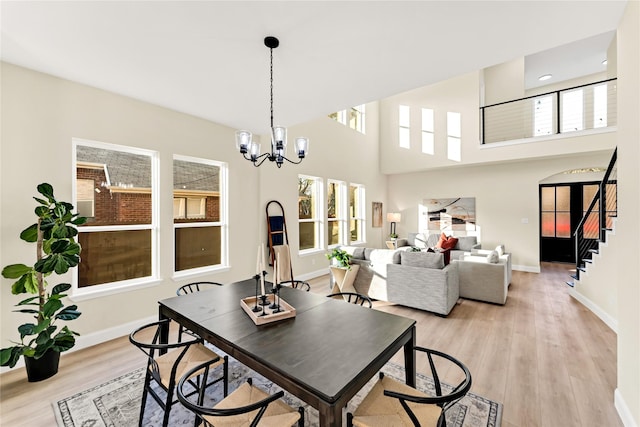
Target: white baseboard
526	268
605	317
623	410
85	341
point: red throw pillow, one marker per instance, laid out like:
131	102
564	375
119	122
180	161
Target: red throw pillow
443	239
450	243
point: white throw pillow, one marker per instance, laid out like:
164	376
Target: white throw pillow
493	257
420	241
500	250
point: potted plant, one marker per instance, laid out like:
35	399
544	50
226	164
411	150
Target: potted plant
56	251
393	236
342	257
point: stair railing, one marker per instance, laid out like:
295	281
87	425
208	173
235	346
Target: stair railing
592	228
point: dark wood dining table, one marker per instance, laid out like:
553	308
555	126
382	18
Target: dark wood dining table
324	355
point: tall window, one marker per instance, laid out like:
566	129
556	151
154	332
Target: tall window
309	212
356	118
555	214
357	215
454	133
572	110
600	100
336	213
427	131
543	116
404	126
119	240
199	200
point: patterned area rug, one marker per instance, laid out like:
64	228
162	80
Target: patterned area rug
117	402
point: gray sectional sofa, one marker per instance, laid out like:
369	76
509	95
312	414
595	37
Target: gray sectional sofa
422	241
413	279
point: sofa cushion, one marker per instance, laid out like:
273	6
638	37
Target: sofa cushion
493	257
422	259
466	243
432	240
383	256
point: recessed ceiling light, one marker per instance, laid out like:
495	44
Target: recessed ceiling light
604	62
544	77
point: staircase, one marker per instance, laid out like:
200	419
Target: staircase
596	225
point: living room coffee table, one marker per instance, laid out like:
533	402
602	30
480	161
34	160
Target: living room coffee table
324	355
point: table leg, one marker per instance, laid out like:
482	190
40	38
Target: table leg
330	415
410	359
164	330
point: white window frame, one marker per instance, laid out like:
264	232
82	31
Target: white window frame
454	136
222	223
404	126
600	106
340	117
572	105
360	215
341	212
358	123
317	216
543	115
428	131
95	291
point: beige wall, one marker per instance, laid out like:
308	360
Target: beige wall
506	199
40	116
460	95
627	227
503	82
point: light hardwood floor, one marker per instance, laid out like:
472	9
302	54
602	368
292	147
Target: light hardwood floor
548	359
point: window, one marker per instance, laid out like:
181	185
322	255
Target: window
404	125
119	241
600	100
199	200
454	133
85	197
572	111
427	131
543	116
555	213
357	220
354	117
309	213
339	116
336	213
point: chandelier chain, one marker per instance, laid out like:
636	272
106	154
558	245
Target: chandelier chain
271	84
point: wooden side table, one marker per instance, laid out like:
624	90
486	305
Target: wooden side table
343	278
391	244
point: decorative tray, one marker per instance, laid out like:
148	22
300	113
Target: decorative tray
269	315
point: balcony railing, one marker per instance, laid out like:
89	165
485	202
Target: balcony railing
584	107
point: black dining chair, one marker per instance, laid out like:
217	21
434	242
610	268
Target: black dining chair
353	298
168	362
190	288
247	405
391	402
196	287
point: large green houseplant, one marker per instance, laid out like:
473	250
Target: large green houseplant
54	234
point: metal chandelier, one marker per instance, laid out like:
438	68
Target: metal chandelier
250	149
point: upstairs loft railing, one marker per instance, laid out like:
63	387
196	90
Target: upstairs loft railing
589	106
598	217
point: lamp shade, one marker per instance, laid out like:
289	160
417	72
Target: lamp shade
394	217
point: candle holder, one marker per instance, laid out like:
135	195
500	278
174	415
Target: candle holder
275	306
255	308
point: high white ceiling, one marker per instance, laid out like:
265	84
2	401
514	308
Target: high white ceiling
207	58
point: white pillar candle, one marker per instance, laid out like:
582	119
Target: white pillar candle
275	273
258	260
